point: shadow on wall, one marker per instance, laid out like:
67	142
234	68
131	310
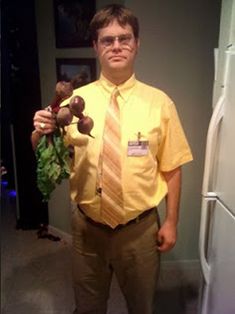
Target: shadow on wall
178	290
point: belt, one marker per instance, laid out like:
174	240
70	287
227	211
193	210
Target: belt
121	226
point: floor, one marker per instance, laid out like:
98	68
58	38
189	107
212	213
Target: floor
36	276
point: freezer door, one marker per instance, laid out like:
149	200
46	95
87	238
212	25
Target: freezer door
224	181
219	293
226	38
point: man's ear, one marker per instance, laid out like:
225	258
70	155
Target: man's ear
138	43
95	46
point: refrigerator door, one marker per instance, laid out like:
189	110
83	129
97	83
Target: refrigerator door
217	229
219	293
224	181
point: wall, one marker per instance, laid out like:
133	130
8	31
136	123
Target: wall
176	55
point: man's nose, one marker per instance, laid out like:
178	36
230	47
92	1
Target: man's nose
116	43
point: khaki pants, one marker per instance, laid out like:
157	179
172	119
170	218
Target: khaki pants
130	252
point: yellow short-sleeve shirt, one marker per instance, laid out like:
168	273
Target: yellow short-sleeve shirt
149	117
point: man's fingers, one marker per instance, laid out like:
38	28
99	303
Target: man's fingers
164	244
44	122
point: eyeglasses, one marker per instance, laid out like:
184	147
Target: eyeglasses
108	41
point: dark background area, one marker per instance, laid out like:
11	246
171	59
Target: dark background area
20	99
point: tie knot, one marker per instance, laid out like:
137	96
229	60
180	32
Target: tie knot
115	93
114	101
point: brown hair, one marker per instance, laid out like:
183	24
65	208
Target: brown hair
112	12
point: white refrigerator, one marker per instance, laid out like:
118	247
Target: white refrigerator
217	228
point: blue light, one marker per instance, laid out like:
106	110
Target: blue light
4	183
12	193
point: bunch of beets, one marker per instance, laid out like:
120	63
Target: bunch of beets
64	115
51	153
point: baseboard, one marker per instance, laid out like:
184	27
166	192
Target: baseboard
65	237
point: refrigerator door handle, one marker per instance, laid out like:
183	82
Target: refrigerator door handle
203	236
208	196
216	118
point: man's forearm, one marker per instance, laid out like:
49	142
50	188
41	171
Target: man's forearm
167	234
35	137
173	179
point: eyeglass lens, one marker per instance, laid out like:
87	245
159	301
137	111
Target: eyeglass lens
122	39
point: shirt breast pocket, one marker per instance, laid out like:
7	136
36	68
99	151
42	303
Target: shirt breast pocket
143	142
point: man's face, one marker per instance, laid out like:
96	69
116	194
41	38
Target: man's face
116	48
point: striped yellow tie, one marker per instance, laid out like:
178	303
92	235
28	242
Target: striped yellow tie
111	196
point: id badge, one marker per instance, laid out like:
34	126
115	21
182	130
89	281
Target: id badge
137	148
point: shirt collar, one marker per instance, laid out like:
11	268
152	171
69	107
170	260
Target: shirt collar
124	89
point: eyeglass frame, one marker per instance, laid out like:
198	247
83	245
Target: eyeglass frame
113	39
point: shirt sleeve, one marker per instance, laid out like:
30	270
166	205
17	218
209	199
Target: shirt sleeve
174	149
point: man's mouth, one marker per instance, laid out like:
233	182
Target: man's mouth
116	58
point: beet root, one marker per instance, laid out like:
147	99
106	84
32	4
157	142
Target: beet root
76	106
64	117
85	125
63	90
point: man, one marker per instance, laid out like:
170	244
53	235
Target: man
118	181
